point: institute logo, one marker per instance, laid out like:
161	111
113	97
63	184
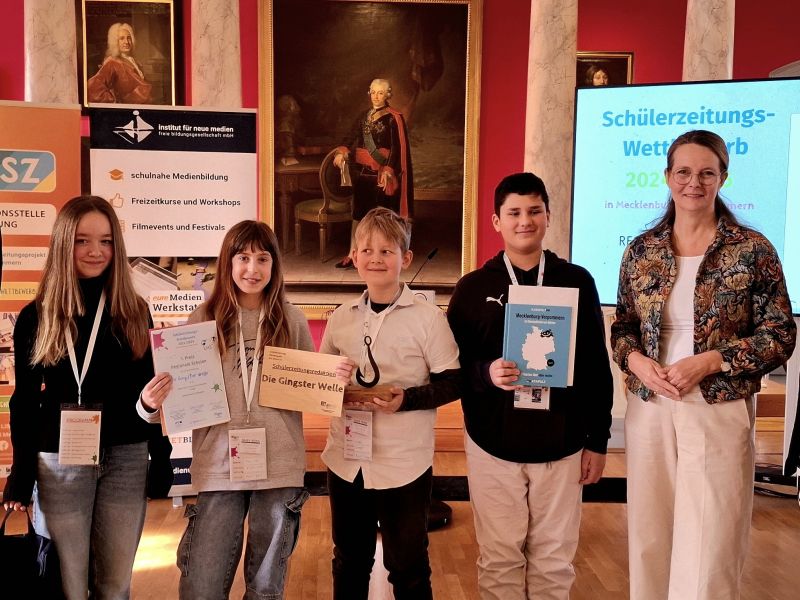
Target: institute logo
136	130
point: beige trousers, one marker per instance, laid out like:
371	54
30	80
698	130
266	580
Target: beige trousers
690	497
527	519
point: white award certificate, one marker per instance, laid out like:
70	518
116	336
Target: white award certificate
190	354
301	380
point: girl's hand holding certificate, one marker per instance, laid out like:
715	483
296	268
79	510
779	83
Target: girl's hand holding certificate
156	391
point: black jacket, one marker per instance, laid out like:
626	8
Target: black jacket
579	416
113	381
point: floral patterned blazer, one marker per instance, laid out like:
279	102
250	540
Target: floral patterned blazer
741	308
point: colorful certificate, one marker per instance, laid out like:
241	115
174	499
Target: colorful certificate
190	354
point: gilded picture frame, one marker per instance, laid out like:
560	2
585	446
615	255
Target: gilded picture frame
127	52
317	59
590	66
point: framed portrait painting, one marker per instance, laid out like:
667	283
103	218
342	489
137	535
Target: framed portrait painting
595	69
396	81
127	52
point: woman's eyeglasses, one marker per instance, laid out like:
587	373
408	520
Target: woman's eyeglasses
705	177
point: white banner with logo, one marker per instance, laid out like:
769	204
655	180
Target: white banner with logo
178	179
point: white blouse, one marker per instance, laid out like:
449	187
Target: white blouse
677	321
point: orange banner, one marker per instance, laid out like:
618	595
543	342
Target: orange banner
40	169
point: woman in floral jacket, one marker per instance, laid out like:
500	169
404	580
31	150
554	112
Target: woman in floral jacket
702	314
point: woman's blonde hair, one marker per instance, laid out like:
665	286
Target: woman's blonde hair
223	307
59	299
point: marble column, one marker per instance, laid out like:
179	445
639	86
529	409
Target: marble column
216	55
549	113
708	41
51	72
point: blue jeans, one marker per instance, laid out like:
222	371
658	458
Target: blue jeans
95	516
211	546
403	516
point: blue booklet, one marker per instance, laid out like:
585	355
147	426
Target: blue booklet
539	334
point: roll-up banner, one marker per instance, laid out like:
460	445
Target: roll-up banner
178	179
40	170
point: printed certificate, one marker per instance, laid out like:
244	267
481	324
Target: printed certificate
300	380
190	354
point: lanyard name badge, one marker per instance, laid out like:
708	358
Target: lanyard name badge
527	397
79	440
248	446
358	435
358	423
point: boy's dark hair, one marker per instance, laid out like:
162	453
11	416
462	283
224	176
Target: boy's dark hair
524	184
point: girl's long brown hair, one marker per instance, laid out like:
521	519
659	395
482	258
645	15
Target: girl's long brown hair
223	307
59	299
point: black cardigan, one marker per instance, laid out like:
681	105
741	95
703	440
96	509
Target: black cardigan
579	416
113	381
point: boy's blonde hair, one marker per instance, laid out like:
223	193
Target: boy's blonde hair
388	223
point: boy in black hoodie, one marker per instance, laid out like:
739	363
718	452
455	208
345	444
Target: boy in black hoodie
526	467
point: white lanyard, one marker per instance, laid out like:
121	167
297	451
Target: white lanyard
89	349
513	275
249	384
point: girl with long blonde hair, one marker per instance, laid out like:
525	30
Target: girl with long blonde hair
81	345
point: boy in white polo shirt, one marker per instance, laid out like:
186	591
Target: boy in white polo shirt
380	451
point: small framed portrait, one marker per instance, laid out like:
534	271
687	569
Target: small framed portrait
127	52
597	69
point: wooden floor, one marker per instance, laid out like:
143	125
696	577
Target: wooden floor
771	571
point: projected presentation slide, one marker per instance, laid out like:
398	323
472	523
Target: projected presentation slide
622	135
